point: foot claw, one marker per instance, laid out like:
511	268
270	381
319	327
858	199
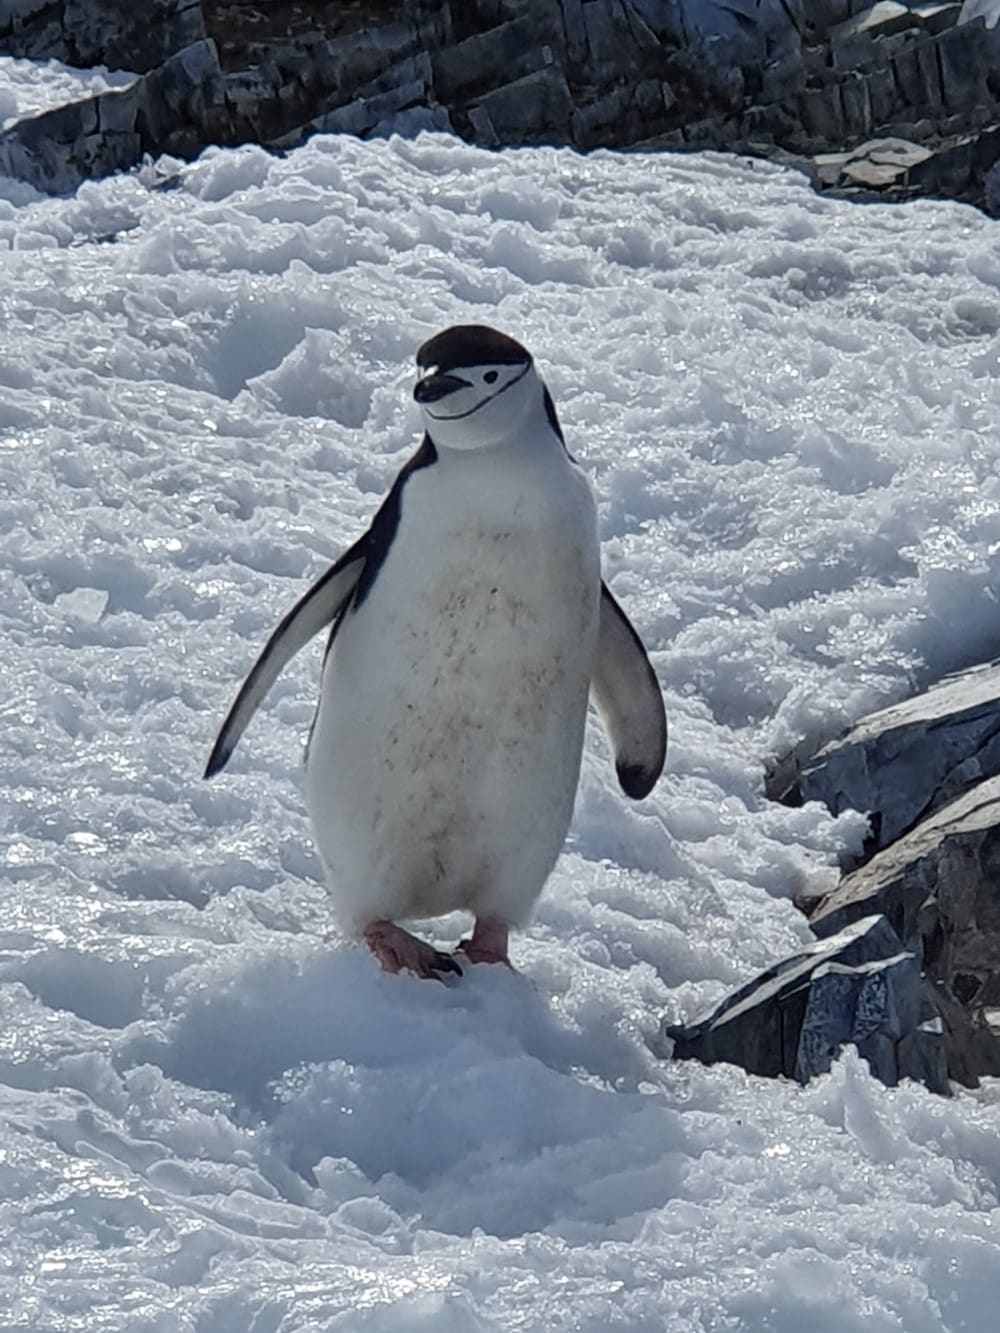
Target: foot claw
399	951
444	962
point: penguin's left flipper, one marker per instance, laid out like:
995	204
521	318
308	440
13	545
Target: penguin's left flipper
320	607
627	694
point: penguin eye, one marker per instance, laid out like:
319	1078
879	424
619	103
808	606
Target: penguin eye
490	377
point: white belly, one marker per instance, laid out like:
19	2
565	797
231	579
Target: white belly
446	751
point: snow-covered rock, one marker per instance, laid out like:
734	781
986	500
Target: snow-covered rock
859	987
938	887
903	762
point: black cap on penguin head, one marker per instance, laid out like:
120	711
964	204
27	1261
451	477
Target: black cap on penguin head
470	345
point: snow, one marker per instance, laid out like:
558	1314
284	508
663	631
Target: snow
217	1116
28	87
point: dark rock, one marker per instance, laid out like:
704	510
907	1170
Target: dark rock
621	115
883	95
784	78
576	32
945	864
854	43
350	62
598	121
175	92
859	986
934	18
822	113
644	37
773	121
612	50
741	32
414	69
857	106
949	170
488	59
919	85
822	16
663	20
117	33
118	110
962	60
535	108
939	889
907	760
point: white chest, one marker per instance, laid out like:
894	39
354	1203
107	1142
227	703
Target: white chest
489	587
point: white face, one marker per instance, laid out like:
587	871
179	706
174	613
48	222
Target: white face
474	407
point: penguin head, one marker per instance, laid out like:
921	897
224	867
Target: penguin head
476	387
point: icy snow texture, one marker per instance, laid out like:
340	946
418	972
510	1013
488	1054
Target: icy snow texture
30	86
214	1114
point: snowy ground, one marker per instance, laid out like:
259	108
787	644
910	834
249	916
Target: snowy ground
217	1117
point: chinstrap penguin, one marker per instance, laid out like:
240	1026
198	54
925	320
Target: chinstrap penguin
467	629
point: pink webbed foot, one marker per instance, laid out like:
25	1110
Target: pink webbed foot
399	951
488	943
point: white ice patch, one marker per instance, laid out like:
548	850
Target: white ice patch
86	604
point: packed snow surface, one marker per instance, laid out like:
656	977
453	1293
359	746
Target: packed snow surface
217	1116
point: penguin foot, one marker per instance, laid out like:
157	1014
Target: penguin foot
488	943
399	951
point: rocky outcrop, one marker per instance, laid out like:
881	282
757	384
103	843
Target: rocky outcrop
118	33
926	772
112	131
897	97
901	763
906	966
858	987
939	889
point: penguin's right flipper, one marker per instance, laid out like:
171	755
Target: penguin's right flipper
320	607
627	694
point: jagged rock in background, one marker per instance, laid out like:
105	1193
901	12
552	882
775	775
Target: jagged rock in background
784	79
57	149
927	772
901	763
121	34
939	889
859	987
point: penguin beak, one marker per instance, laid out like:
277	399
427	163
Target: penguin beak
433	387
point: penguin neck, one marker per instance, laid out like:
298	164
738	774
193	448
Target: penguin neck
531	435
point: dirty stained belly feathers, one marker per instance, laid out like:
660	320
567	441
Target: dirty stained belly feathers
480	660
464	755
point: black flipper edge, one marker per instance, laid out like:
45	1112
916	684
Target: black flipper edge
627	694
